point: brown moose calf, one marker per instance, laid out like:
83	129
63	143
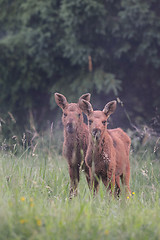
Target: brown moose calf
108	152
75	138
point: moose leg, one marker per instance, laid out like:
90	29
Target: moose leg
125	182
117	188
74	179
111	179
86	169
126	179
109	182
95	185
94	179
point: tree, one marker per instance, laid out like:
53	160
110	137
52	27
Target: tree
109	48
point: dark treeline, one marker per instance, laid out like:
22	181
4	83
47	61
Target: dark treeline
109	48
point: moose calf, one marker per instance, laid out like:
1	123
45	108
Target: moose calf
108	152
75	138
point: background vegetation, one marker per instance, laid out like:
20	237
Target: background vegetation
107	47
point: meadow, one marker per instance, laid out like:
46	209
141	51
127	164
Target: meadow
34	200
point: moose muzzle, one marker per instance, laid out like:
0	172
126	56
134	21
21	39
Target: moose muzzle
70	127
96	133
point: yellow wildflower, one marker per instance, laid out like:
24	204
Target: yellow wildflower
23	199
31	204
39	222
22	221
128	197
106	232
133	193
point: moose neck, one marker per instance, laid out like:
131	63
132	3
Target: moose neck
103	142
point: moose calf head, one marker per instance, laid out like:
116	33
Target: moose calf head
72	113
97	119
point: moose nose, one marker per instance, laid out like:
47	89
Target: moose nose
96	133
70	127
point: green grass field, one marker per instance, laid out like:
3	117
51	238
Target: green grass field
34	201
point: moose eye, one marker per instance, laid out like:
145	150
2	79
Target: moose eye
65	114
90	122
104	122
79	115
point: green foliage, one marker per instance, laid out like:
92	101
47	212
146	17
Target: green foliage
27	64
100	81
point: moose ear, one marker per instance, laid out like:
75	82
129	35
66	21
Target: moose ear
60	100
86	97
85	106
110	108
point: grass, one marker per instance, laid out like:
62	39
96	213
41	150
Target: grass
34	202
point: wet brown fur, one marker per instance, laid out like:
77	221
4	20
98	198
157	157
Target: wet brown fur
75	139
108	152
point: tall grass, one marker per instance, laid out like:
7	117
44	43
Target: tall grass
34	201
